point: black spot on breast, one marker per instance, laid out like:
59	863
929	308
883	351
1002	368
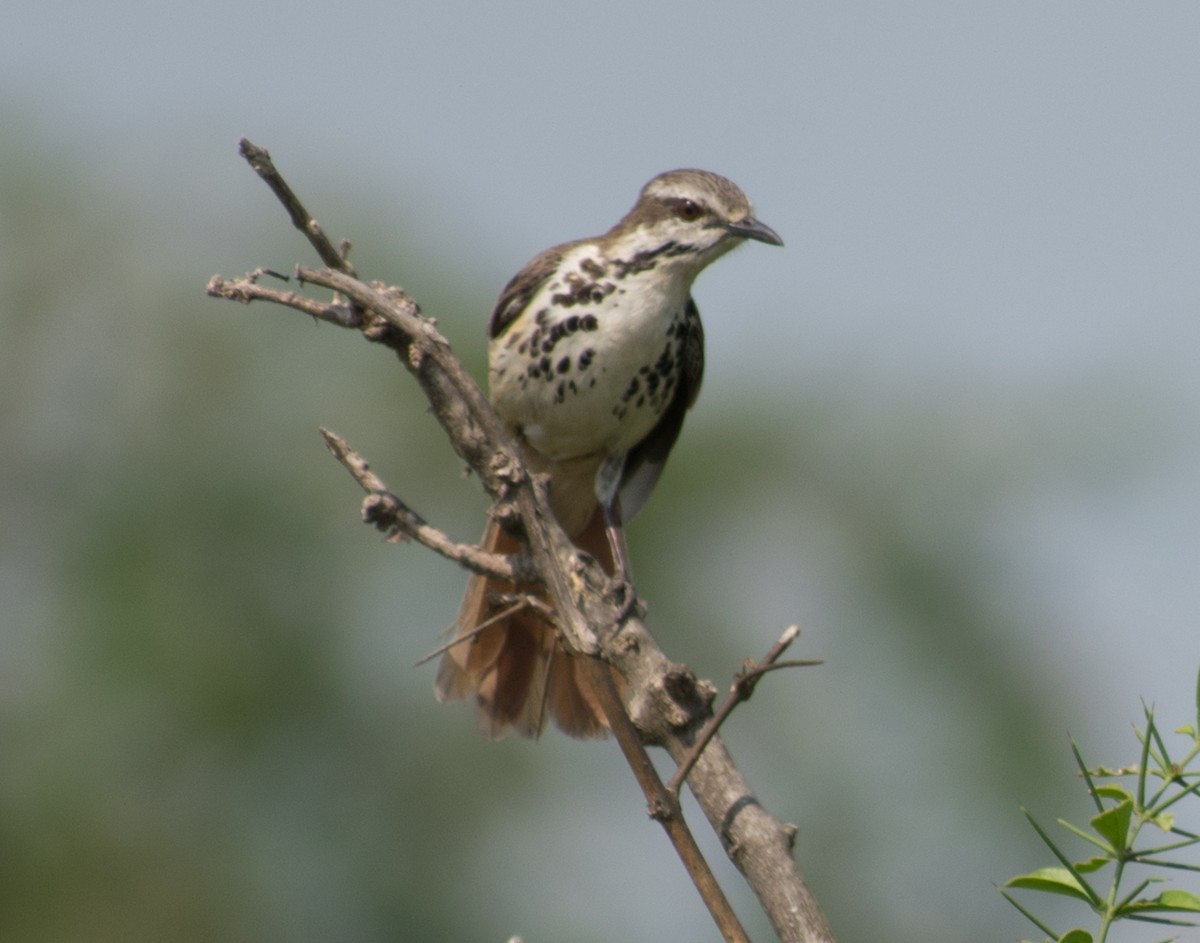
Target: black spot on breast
593	268
581	291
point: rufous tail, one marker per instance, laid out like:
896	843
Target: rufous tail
512	661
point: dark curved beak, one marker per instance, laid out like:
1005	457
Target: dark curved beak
751	228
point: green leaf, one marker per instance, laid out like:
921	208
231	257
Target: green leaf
1115	791
1075	936
1113	825
1051	881
1092	864
1180	900
1117	771
1173	901
1187	730
1164	820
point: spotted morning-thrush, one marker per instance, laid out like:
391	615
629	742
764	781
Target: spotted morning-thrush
596	352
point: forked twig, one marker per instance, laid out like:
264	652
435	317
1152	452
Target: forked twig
260	159
388	513
743	686
247	289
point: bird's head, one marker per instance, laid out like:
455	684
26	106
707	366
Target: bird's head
690	218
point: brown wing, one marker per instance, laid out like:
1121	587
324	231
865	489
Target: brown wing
522	287
646	460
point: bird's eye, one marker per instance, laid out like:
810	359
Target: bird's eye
688	210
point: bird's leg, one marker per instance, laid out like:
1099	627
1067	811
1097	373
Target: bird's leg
616	540
608	483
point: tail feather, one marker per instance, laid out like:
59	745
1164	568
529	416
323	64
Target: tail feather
516	667
511	686
572	701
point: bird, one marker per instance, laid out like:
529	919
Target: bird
595	355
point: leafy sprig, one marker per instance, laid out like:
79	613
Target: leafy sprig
1134	827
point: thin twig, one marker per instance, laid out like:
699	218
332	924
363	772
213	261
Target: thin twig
246	289
388	513
516	607
302	219
741	690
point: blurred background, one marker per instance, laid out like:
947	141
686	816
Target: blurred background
950	430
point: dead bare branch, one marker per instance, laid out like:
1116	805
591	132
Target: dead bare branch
661	703
259	158
743	687
389	514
